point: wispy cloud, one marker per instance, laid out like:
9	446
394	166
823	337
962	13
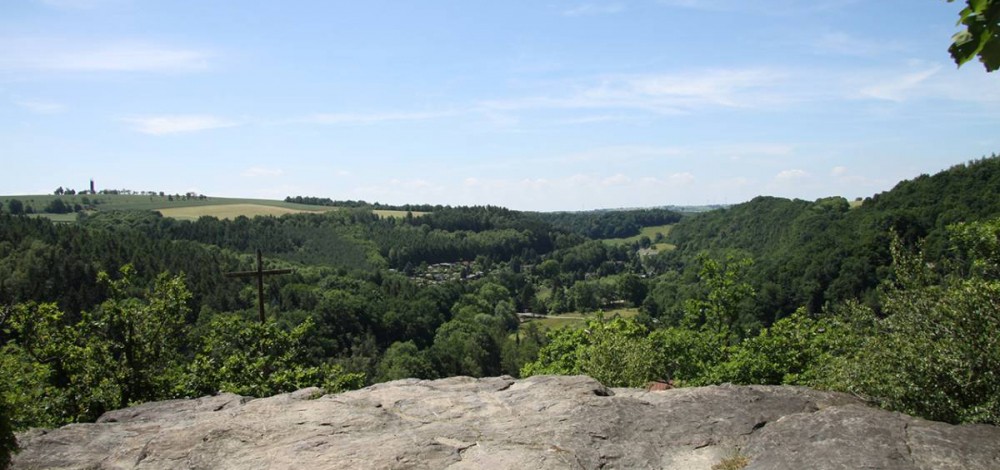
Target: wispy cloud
793	174
841	43
259	171
590	9
41	107
176	124
77	4
33	54
768	7
898	88
667	93
372	118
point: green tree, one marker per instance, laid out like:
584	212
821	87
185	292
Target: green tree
8	443
15	206
933	352
981	36
139	340
255	359
466	348
793	351
404	360
618	353
728	297
125	351
57	206
631	289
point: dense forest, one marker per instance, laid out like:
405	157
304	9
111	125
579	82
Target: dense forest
121	307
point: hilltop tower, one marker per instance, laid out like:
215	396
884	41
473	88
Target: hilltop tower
92	186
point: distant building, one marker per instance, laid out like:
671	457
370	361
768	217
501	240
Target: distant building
92	186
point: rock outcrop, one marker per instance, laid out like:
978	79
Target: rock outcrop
496	423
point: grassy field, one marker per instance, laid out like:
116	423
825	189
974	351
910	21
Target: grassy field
231	211
180	208
646	232
581	319
386	213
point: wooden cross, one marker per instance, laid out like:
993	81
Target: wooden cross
259	274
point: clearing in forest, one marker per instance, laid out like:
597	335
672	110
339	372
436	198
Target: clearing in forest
578	320
646	232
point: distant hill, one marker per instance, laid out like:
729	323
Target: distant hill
813	252
177	207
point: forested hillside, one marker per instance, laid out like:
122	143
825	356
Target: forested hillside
810	253
122	307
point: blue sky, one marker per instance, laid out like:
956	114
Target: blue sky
528	104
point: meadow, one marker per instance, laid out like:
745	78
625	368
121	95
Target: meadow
578	320
649	232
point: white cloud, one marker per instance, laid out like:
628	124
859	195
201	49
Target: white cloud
680	178
592	9
594	119
842	43
258	171
899	87
372	118
175	124
41	107
616	180
35	54
77	4
665	93
838	171
788	175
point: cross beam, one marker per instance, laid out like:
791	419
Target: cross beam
259	274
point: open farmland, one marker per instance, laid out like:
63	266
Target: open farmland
389	213
231	211
577	320
649	232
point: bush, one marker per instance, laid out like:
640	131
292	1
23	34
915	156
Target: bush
8	443
259	359
934	351
618	353
793	351
402	361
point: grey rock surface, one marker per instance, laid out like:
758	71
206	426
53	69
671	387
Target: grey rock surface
544	422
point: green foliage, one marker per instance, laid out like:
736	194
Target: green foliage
8	443
402	361
57	206
618	353
728	297
15	206
250	358
124	352
466	348
934	352
138	340
981	37
793	351
815	253
686	355
610	224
